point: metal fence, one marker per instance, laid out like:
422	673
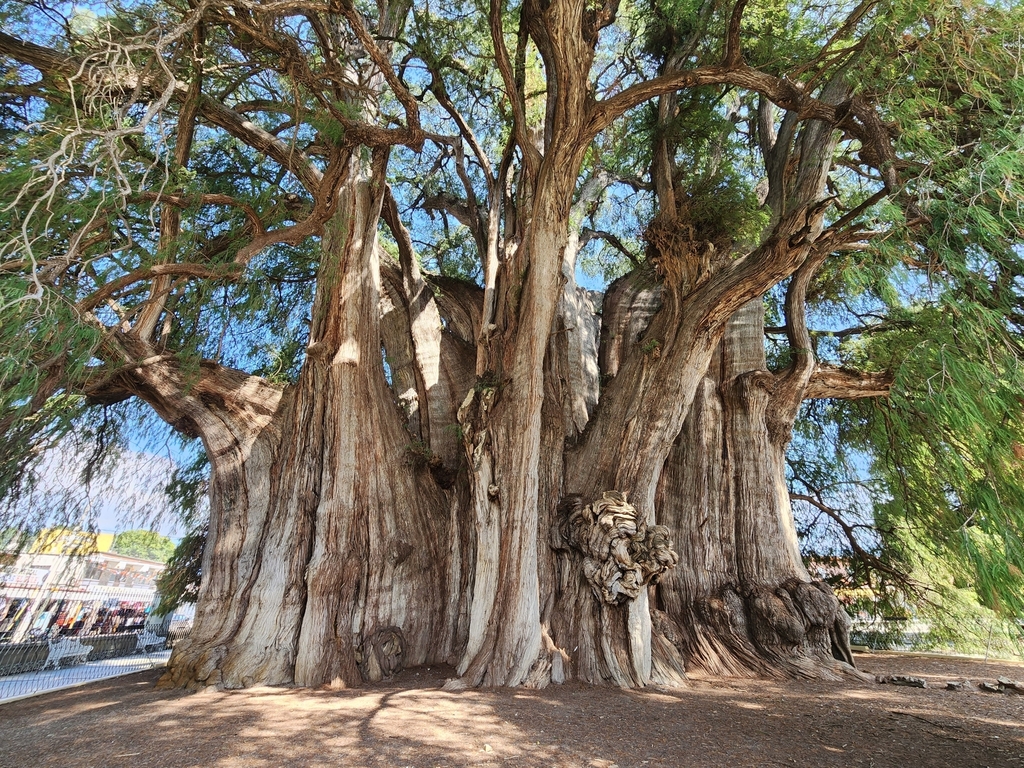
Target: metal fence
49	664
982	637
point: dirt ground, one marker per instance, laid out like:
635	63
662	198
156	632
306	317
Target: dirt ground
411	723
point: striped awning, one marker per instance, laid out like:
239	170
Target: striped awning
54	593
124	594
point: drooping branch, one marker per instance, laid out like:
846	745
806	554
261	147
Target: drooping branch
587	234
63	69
872	561
881	326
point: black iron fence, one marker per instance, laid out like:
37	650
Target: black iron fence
52	663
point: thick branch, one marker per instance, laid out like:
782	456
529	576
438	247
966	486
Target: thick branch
784	93
225	407
61	67
789	393
733	53
188	201
774	260
531	157
829	381
408	102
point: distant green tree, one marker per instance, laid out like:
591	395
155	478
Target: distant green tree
179	583
148	545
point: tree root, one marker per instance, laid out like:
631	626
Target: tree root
381	655
796	629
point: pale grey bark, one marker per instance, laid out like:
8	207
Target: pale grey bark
350	537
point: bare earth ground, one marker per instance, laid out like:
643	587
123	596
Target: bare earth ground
411	722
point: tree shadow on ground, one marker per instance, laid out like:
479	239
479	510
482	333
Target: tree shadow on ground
411	722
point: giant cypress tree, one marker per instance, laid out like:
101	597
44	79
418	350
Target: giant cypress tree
421	449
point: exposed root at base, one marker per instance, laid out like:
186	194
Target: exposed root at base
796	629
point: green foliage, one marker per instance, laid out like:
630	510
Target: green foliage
957	623
147	545
418	454
78	177
179	582
941	297
943	617
773	34
934	294
44	346
651	347
949	438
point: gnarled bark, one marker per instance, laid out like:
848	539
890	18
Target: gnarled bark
341	530
503	492
744	604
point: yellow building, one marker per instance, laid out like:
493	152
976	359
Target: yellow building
69	582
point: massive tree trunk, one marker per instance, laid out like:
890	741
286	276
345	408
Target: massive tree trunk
509	449
541	562
740	600
468	475
331	557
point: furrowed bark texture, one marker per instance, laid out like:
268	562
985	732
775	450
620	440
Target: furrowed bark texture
237	417
506	433
497	478
545	564
740	601
331	558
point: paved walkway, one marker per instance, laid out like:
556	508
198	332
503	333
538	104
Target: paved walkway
32	683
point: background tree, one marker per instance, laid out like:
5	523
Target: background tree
149	545
179	581
338	244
